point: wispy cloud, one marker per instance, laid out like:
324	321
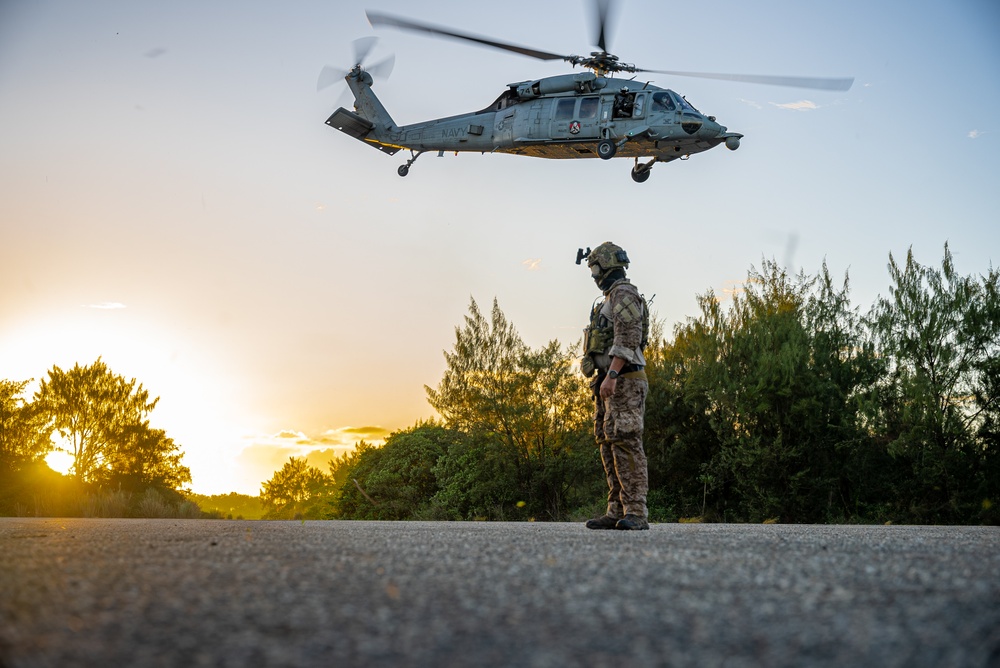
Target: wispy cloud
801	105
107	306
264	454
751	103
531	264
975	134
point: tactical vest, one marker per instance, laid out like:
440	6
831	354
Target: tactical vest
600	334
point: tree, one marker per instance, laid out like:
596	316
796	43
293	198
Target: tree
754	402
102	418
397	480
296	491
141	457
24	436
529	404
939	404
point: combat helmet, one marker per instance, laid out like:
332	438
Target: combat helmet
606	258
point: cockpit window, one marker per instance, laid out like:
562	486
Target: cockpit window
686	106
663	102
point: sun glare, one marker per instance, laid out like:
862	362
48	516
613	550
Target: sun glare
60	461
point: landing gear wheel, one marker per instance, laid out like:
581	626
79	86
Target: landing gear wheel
403	170
640	175
606	149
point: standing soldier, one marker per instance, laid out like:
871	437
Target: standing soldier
613	348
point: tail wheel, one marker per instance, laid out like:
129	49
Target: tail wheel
640	175
606	149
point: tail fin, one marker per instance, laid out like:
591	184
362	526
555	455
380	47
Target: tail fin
369	122
366	103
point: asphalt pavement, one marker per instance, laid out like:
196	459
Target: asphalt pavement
95	592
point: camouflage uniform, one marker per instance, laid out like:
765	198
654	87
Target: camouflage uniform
618	420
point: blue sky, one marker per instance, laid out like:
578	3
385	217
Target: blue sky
173	202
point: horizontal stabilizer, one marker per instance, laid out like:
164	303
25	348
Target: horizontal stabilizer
349	123
356	126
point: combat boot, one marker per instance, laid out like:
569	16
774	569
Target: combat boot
605	522
632	523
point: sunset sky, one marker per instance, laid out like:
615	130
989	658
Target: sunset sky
172	201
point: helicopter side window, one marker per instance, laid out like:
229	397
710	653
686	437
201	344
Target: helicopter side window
663	102
589	107
637	105
565	109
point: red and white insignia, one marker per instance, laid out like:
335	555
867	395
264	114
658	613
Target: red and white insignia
574	127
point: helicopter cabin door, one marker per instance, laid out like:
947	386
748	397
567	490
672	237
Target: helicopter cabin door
575	117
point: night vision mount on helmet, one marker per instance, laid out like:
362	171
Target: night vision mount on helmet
607	255
584	115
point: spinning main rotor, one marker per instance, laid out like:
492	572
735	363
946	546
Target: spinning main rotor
602	62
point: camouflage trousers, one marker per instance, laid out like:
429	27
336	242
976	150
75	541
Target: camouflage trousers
618	423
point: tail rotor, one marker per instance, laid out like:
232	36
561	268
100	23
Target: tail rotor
329	75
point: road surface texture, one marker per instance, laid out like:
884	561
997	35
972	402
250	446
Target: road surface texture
91	592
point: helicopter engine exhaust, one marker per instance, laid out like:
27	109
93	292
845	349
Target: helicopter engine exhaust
584	82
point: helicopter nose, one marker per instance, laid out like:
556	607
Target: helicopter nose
710	128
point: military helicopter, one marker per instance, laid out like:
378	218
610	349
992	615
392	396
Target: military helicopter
583	115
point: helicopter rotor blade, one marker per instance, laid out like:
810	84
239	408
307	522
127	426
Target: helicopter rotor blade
383	68
329	76
602	10
362	47
378	19
817	83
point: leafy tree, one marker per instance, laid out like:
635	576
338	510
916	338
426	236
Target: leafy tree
142	457
477	481
296	491
939	405
528	404
396	481
754	402
24	436
92	408
679	438
102	418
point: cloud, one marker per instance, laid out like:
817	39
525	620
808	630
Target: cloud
755	105
376	432
975	134
531	264
801	105
264	454
108	306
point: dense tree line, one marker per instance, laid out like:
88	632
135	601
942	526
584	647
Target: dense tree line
122	466
784	404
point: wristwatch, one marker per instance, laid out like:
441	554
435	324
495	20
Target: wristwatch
612	374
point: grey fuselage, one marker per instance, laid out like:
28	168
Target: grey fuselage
556	117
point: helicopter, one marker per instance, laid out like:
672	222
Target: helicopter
589	114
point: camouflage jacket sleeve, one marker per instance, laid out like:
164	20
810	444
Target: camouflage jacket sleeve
626	315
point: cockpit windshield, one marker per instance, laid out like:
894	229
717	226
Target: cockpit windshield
686	106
